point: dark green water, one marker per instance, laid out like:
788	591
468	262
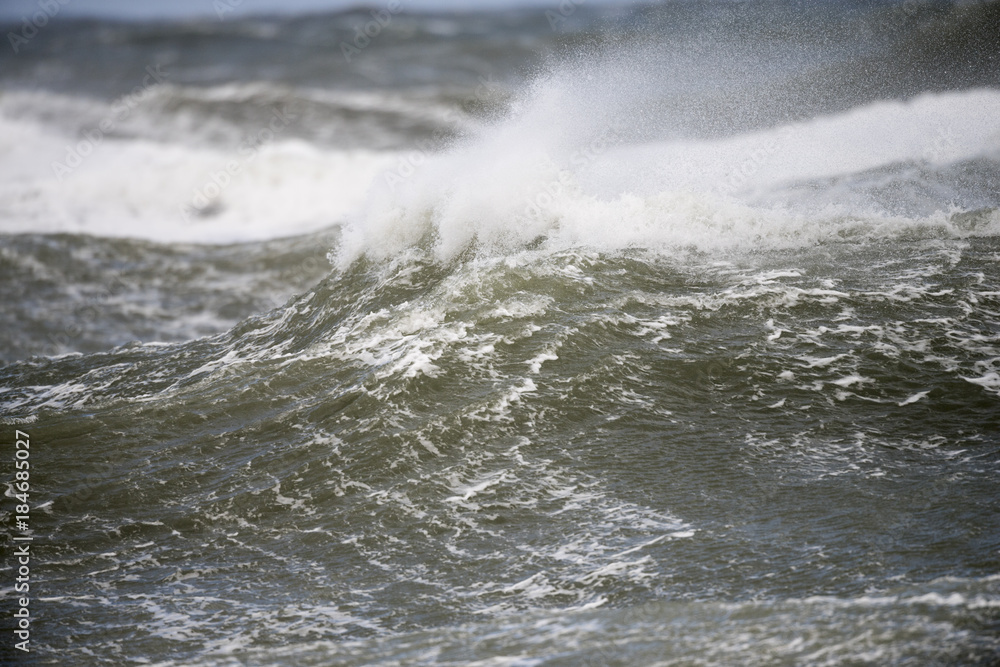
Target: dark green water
781	456
667	336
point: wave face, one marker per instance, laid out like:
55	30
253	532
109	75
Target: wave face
667	337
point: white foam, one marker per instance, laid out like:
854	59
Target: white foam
989	381
913	398
168	192
544	173
556	169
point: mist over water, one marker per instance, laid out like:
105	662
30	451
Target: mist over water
658	334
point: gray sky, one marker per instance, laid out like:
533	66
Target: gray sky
131	9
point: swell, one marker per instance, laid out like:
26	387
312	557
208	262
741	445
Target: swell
225	115
412	444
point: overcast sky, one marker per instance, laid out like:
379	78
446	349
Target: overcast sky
133	9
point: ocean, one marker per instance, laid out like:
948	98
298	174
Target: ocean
647	334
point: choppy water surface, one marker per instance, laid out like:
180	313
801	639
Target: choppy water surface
615	373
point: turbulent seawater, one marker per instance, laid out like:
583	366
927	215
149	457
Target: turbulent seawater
660	334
